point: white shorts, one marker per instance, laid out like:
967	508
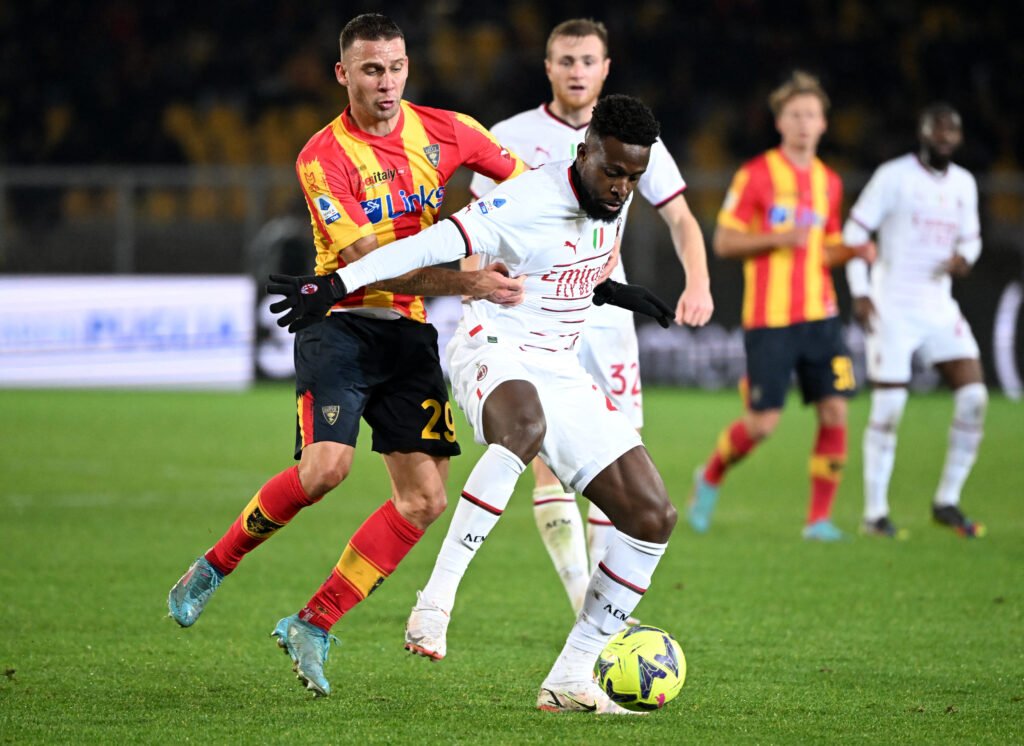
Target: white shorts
584	433
939	333
609	352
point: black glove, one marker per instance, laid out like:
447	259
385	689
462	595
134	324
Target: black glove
306	299
633	298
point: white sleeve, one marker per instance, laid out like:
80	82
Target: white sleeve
480	185
857	277
488	226
661	181
440	243
870	209
969	241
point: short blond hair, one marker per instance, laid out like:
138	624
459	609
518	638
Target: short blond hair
578	28
800	83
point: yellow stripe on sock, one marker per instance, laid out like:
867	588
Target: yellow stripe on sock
255	520
360	573
827	467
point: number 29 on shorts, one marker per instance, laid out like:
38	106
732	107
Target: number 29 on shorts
436	408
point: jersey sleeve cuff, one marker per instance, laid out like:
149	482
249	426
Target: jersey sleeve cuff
465	236
659	205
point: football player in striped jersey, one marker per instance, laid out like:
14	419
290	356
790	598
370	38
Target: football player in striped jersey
375	174
781	218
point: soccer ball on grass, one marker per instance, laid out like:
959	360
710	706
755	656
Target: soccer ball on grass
642	668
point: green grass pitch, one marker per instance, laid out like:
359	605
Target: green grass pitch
106	497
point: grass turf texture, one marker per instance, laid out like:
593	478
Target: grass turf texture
107	496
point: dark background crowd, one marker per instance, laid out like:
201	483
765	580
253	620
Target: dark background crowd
231	82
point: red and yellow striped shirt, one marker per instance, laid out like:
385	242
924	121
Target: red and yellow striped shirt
788	284
357	184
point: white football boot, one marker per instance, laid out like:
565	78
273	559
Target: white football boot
426	632
583	696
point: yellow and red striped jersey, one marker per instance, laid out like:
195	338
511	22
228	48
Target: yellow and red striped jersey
788	284
357	184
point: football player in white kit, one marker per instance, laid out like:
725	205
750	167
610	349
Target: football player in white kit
577	65
925	210
516	374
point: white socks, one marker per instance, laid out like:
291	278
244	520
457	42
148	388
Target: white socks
969	405
887	407
600	532
561	529
487	492
614	591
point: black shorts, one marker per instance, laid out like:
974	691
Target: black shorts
386	371
813	349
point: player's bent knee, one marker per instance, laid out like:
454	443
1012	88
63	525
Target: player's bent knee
422	508
762	424
970	403
887	406
655	521
523	437
318	480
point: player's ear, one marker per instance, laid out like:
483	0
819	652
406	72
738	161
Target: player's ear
339	73
581	152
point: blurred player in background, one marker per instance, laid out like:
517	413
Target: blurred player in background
781	217
577	65
925	210
375	174
516	374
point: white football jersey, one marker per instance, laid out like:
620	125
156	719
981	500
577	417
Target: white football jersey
534	224
922	218
538	137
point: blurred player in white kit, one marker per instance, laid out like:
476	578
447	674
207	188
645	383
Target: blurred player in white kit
924	208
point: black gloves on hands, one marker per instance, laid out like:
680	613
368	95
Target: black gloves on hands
633	298
306	299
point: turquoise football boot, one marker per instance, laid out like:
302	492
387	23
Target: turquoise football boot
308	646
702	503
190	594
823	530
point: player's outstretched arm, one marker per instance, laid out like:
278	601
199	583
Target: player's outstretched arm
307	298
633	298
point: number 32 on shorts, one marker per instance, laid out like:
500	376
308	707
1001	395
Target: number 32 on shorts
842	369
436	408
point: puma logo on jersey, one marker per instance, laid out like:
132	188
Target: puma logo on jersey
572	245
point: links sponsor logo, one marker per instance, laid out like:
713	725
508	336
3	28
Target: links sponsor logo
257	524
378	208
802	217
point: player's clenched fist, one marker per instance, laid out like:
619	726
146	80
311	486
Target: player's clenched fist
307	298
